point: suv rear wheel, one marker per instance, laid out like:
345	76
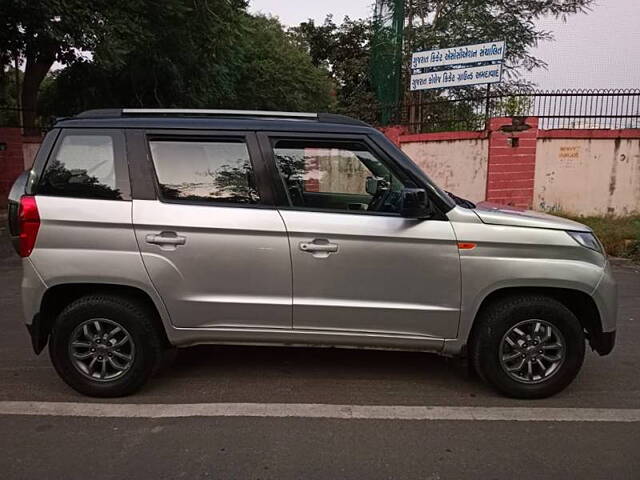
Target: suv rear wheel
528	346
105	346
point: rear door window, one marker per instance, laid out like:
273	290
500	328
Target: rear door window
209	171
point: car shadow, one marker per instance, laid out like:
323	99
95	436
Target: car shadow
312	375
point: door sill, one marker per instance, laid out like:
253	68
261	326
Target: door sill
182	337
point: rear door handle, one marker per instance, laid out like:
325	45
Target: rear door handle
167	240
320	247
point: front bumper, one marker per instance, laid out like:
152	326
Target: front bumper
605	296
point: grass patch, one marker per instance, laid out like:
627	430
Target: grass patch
619	235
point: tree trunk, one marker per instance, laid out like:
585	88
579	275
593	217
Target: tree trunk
16	74
36	68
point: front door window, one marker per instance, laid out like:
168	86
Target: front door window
343	176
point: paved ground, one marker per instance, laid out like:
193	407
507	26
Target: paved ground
270	447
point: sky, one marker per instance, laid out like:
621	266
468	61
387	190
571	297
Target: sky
597	50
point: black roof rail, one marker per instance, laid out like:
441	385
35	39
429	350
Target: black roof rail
336	118
195	112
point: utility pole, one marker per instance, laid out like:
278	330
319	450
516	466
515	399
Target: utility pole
398	33
387	56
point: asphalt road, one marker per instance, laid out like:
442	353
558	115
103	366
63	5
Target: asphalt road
38	446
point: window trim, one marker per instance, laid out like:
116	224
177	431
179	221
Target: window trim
121	169
263	186
40	161
267	141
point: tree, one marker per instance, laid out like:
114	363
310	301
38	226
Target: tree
196	57
9	102
344	52
274	73
46	31
434	24
318	40
428	24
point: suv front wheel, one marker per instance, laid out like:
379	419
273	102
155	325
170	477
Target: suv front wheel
105	346
528	346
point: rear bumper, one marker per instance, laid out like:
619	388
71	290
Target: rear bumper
603	343
39	334
33	289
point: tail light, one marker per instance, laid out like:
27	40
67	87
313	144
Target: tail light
28	225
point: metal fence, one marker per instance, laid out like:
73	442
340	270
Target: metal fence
586	109
13	117
10	116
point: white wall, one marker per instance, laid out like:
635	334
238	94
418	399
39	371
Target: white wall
459	166
588	176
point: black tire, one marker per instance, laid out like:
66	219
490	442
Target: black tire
499	317
134	316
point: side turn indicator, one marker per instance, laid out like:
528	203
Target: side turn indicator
466	246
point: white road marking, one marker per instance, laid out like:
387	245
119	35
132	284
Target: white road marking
310	410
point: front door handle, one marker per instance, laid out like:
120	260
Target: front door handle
320	247
166	240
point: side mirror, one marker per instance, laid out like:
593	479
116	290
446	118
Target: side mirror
376	185
415	203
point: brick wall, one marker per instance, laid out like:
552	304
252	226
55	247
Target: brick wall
11	161
511	165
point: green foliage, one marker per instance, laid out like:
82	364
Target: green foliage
192	53
205	55
359	55
274	73
42	32
344	52
432	24
445	23
8	97
514	106
164	61
58	29
620	235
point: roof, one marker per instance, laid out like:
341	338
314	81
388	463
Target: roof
196	119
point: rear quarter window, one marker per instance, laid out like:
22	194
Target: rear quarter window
84	165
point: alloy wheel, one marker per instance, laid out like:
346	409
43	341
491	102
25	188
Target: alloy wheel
532	351
101	349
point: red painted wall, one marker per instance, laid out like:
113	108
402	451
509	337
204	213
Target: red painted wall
512	162
394	132
11	161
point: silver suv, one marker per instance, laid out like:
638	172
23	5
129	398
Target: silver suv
142	230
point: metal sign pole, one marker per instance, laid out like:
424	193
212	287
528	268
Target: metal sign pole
487	106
